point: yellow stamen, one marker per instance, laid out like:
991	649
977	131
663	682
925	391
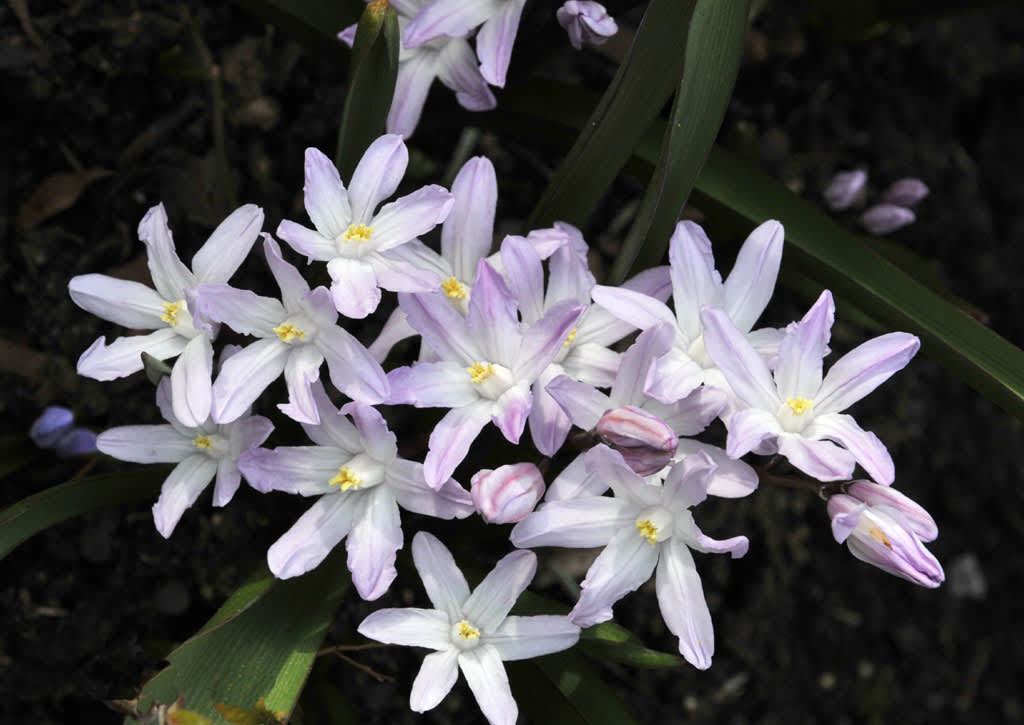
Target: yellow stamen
202	443
171	310
570	338
454	289
648	530
358	233
480	371
287	333
799	406
346	479
468	631
878	535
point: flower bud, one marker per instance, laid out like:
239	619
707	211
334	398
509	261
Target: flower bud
77	442
646	442
884	528
51	426
586	22
508	493
886	218
905	192
844	189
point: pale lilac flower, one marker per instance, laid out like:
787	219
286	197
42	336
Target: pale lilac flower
886	218
696	283
472	632
508	493
355	240
486	365
585	356
645	441
201	453
361	482
905	192
845	189
644	526
886	529
297	334
450	60
54	429
165	309
498	21
586	22
797	413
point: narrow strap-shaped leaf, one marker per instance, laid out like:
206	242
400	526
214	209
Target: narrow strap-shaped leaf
609	641
562	688
260	644
372	78
639	89
48	508
713	49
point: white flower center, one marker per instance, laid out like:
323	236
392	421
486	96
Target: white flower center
359	473
176	315
212	444
464	635
795	414
296	330
491	380
654	524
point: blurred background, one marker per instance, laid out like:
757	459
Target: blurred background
113	106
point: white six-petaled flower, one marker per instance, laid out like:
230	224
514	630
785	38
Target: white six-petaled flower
470	631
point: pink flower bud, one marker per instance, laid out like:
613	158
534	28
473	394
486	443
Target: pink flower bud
844	189
508	493
884	528
886	218
646	442
586	22
905	192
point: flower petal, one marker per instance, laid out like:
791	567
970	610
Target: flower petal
304	470
416	73
549	423
865	446
435	679
243	311
525	276
311	538
511	410
636	308
228	480
731	478
191	394
821	459
682	604
584	404
145	444
245	375
863	369
180	490
373	543
451	439
798	371
492	599
454	18
694	280
294	287
399	275
575	481
334	429
409	627
170	277
354	289
745	370
129	304
301	371
468	231
692	414
609	466
432	385
443	329
124	355
495	40
378	441
635	364
488	681
396	329
520	638
351	367
749	429
752	281
584	522
446	586
492	316
542	342
229	245
627	562
603	328
409	487
325	196
376	176
591	364
410	216
305	241
672	377
457	68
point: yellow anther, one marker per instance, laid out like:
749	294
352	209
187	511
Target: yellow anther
878	535
648	530
454	289
468	631
346	479
570	338
202	443
480	371
287	333
799	406
171	310
358	233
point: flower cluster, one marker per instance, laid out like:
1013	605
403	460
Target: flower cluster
893	212
520	337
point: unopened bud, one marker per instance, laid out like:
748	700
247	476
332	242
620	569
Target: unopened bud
508	493
646	442
886	218
586	22
78	442
884	528
844	189
51	426
905	192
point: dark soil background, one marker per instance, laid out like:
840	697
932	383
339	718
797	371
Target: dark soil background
114	96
